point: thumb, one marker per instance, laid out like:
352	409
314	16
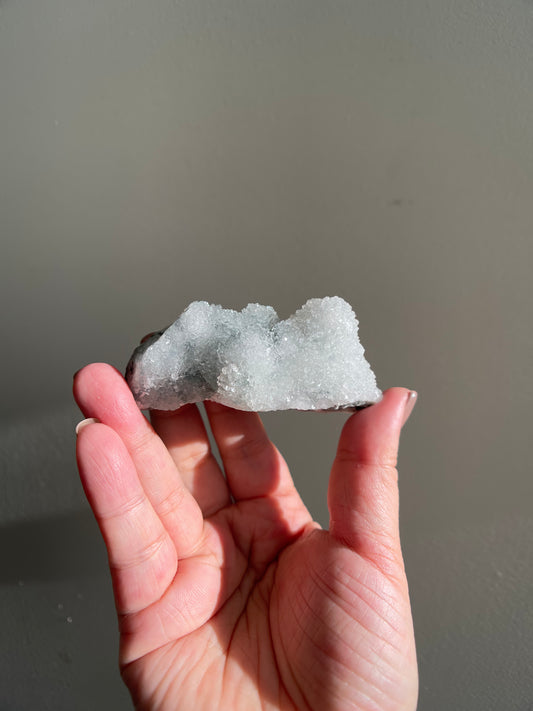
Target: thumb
363	489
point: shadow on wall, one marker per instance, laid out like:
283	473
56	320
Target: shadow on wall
52	549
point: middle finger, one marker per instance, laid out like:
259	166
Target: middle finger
184	434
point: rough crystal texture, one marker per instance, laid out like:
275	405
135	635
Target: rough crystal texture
251	360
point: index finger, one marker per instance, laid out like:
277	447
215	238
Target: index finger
102	392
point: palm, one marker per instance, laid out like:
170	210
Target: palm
228	595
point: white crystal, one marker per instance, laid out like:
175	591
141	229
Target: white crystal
250	360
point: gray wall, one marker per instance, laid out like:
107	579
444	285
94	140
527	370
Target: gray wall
156	153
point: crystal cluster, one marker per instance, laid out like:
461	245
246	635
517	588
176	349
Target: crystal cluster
252	360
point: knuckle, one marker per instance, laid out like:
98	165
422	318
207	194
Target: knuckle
127	508
250	448
194	456
142	440
145	554
359	460
172	502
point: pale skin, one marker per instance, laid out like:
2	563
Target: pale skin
229	596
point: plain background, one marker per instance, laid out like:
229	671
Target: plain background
154	153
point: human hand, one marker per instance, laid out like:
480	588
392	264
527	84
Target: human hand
228	595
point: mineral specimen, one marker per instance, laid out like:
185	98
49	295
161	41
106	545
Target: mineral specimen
252	360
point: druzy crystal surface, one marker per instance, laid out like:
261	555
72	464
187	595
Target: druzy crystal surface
252	360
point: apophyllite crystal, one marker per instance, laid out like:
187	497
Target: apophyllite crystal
252	360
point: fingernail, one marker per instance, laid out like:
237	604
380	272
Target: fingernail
84	423
410	402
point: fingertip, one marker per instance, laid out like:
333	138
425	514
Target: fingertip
77	378
409	405
101	391
372	434
96	371
395	399
215	407
391	408
86	378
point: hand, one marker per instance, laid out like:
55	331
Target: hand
228	595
